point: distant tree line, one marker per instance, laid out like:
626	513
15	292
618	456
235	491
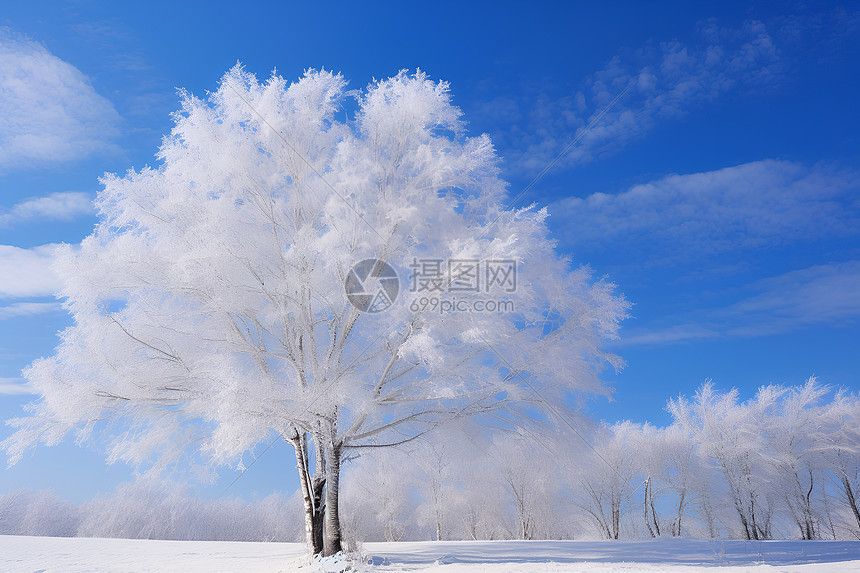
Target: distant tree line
783	464
151	510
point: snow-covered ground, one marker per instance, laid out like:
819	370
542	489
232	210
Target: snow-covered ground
52	554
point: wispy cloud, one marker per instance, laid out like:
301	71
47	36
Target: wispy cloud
683	216
665	81
14	387
822	294
64	206
667	335
49	111
27	272
28	309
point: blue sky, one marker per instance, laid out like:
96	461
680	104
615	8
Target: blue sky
721	192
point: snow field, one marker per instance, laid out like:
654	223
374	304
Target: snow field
73	555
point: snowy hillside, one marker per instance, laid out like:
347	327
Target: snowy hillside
51	554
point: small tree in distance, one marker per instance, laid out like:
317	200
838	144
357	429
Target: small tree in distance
209	304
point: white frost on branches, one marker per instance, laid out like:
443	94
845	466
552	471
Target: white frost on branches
209	306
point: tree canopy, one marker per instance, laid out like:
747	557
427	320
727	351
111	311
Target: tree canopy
209	304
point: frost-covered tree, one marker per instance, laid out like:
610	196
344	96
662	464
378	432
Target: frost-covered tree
38	513
435	461
149	509
730	434
839	444
727	434
685	476
796	436
483	504
528	468
605	478
209	306
378	496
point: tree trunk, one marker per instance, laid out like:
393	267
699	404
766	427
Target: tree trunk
850	498
312	491
752	521
319	514
827	513
299	443
438	527
681	499
650	510
317	489
645	505
332	544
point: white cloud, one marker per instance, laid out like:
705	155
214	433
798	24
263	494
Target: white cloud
822	294
663	82
54	207
28	309
682	216
13	387
663	336
49	111
27	272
